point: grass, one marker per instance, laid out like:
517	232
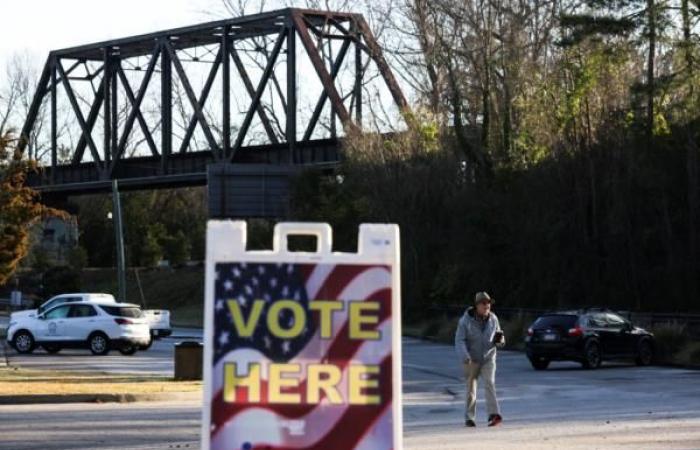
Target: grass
15	382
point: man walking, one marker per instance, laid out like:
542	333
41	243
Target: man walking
477	337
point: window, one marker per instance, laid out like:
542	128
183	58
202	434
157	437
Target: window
596	321
614	321
565	321
48	235
122	311
82	311
59	312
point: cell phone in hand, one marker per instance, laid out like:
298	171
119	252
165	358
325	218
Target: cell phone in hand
498	337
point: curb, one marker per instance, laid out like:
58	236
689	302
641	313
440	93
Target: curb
98	398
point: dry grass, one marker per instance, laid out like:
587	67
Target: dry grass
689	355
16	382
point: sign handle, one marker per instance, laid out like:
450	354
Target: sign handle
322	232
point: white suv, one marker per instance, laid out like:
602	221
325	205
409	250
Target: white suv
97	325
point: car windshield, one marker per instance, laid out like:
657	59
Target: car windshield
46	306
122	311
55	302
556	321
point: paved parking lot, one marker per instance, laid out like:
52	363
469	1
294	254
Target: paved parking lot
617	406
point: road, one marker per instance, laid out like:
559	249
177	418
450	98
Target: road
617	406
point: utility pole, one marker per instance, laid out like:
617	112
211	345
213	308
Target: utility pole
119	236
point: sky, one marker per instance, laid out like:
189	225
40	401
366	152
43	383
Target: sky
36	27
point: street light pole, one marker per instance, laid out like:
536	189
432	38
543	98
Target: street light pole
119	236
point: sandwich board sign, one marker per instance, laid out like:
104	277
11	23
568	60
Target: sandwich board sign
302	349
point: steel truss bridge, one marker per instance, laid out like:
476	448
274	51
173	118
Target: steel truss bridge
137	108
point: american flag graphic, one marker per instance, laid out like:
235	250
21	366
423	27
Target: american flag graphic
239	425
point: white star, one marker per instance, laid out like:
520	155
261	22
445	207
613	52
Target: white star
242	301
290	269
297	295
244	265
220	305
268	342
267	297
228	285
248	290
273	282
236	272
286	347
261	270
255	281
223	338
285	291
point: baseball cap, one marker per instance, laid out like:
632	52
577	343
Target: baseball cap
483	297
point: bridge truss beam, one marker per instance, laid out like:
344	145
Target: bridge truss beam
104	68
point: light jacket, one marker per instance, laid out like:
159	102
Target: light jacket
474	338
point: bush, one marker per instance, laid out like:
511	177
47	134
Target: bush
431	329
689	355
447	330
670	338
77	257
176	248
59	280
440	329
151	252
514	330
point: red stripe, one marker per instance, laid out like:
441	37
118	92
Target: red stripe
338	280
341	352
356	420
306	270
335	282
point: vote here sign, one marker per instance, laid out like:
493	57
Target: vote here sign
302	350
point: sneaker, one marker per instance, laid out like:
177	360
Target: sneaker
470	423
495	420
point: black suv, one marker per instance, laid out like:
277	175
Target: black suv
587	336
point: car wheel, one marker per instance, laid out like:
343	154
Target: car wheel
128	350
98	343
539	363
645	353
592	357
23	342
146	346
52	348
